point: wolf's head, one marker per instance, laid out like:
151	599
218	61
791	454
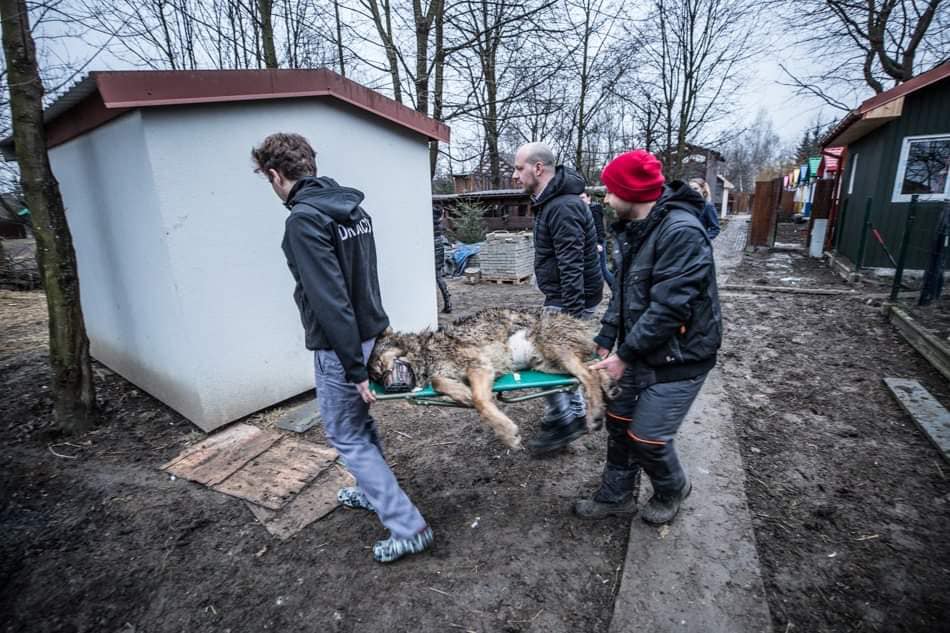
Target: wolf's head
397	362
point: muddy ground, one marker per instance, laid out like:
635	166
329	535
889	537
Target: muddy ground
850	502
97	539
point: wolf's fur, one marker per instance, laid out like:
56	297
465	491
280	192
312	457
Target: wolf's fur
464	361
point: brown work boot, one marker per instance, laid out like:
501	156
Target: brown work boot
555	438
594	509
662	509
616	497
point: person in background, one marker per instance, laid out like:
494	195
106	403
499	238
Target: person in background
438	236
597	211
710	218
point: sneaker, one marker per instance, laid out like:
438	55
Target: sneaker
355	499
552	439
594	509
392	549
661	509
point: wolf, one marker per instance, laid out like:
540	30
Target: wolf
463	361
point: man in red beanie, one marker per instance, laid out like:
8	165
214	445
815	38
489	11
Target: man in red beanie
664	320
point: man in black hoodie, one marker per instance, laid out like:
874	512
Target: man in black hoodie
566	270
665	322
331	253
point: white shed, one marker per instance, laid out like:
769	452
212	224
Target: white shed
184	286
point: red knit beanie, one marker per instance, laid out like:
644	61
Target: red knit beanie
635	176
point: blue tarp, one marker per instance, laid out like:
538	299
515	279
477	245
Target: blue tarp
463	253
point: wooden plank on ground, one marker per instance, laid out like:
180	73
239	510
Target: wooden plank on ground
275	476
785	289
932	418
929	346
312	503
220	455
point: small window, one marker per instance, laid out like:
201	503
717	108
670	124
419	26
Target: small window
854	168
923	167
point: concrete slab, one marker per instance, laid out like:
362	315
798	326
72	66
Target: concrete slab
928	414
300	419
700	574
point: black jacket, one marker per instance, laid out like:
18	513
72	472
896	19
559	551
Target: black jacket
597	210
665	314
710	220
331	252
566	267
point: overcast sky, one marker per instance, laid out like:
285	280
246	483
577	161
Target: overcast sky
790	113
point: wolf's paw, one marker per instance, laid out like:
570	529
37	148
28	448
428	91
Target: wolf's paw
514	443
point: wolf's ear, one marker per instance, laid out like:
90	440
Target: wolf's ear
387	332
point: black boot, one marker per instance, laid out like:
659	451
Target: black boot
447	307
554	438
663	508
617	496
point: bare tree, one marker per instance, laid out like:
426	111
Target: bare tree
694	52
265	9
753	150
74	398
492	40
594	64
868	43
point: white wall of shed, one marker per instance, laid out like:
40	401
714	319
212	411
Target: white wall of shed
223	227
131	304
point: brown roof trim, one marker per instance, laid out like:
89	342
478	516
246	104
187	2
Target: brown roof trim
914	84
105	95
928	78
85	115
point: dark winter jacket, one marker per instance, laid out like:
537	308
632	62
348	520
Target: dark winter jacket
665	314
711	220
597	211
565	246
331	252
438	238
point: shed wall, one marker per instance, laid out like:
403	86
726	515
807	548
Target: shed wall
924	112
133	313
184	284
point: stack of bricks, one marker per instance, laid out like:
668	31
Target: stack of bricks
507	257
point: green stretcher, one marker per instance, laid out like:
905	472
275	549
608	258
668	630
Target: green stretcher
538	383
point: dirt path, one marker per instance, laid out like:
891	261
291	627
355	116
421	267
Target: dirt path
101	541
850	502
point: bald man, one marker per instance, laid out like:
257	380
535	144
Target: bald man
566	270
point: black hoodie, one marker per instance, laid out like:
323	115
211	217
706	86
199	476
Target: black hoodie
664	315
566	265
331	252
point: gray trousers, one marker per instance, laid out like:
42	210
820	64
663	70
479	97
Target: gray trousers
562	408
352	431
641	427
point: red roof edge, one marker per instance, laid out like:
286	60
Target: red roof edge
914	84
118	92
928	78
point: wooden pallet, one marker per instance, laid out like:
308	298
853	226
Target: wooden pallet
514	281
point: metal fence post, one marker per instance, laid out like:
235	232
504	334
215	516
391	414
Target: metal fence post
865	227
905	242
839	224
